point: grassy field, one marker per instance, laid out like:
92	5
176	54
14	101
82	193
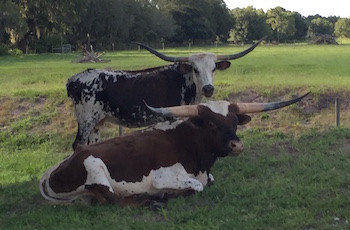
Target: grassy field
293	173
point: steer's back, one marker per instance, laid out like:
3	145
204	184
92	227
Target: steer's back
97	94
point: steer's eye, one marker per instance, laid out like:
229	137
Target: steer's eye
212	125
196	71
213	70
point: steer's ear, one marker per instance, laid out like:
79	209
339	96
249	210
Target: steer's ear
185	68
222	65
243	119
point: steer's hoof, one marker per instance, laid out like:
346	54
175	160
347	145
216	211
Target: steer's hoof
155	205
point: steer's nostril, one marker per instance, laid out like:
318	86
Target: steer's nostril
236	145
232	144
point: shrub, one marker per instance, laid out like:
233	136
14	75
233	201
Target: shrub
4	49
15	51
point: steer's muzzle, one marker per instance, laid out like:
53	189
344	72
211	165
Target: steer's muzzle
236	147
208	90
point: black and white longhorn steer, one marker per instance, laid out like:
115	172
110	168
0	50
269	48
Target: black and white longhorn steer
117	95
154	164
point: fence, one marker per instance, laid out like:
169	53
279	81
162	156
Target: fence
65	48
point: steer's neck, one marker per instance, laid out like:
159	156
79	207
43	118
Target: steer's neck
193	148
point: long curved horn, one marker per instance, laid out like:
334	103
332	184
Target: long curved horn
239	55
175	111
261	107
163	56
186	59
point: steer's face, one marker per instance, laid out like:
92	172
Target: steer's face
204	66
220	131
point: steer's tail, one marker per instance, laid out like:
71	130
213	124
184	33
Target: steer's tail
44	190
47	192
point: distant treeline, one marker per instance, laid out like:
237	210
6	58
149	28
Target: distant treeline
41	25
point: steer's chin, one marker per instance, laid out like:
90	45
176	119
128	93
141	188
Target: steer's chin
235	153
207	94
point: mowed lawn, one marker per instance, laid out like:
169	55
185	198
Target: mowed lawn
293	173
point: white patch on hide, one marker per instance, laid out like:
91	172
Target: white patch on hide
166	125
220	107
157	183
174	177
97	172
203	177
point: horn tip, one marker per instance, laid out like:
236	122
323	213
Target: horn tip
304	95
149	107
156	111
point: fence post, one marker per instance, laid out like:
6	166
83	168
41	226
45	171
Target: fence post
120	130
337	112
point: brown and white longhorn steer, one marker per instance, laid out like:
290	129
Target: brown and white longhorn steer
156	163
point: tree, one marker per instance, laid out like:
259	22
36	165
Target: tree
119	22
193	23
164	24
342	27
12	24
320	26
47	20
240	30
300	26
281	21
250	24
198	20
259	28
332	19
221	20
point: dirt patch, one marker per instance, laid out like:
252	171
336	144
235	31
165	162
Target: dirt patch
317	109
20	107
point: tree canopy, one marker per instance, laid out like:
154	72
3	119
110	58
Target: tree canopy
40	25
342	27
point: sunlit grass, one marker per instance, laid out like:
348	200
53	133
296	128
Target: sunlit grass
267	66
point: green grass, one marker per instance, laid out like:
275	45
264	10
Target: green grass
316	67
293	173
280	182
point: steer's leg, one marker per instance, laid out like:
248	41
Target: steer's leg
88	116
84	130
174	177
210	179
97	182
102	194
94	135
83	133
78	138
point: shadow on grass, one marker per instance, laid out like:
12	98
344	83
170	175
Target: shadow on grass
23	207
